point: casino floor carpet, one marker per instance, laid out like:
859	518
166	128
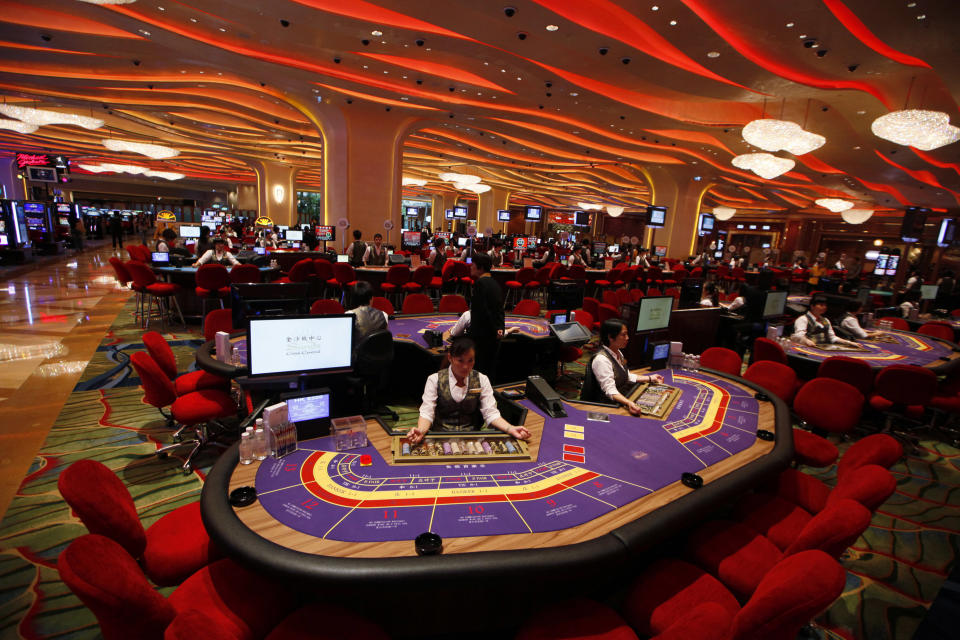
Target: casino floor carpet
894	570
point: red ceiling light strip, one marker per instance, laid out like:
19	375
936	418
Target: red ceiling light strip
885	188
697	137
855	26
30	15
373	98
707	11
444	71
620	24
369	12
818	165
935	162
920	175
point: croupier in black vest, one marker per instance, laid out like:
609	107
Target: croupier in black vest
459	398
356	250
368	319
607	377
376	254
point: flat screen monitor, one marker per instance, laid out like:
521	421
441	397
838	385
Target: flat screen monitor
445	235
881	265
599	247
913	220
260	250
294	234
461	242
503	215
41	174
614	248
160	257
571	333
948	232
188	231
558	318
268	299
343	258
533	241
412	211
707	222
209	224
326	233
774	304
64	221
581	218
283	227
63	207
294	244
520	244
928	291
654	313
4	241
310	411
656	216
460	212
411	238
303	344
660	251
892	262
534	214
448	214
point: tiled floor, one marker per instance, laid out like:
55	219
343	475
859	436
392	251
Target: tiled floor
52	318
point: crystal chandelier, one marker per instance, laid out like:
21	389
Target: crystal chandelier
19	127
590	207
462	178
856	216
765	165
416	182
924	130
477	188
155	151
781	135
834	204
167	175
614	210
42	117
723	213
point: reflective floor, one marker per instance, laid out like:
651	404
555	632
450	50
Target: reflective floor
52	318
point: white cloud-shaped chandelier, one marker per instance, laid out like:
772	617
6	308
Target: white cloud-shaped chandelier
590	207
614	210
416	182
781	135
110	167
723	213
461	178
476	188
765	165
19	127
155	151
109	1
924	130
41	117
834	204
856	216
166	175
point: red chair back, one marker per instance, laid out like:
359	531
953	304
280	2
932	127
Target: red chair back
765	349
778	379
635	295
111	584
606	312
158	389
653	291
672	291
217	320
398	274
301	271
103	504
955	313
449	271
453	303
326	307
162	354
142	275
526	274
906	384
937	329
323	269
896	322
344	273
527	308
245	273
423	275
543	274
584	317
417	303
722	359
381	303
120	271
577	272
829	404
854	372
213	277
623	297
610	297
591	306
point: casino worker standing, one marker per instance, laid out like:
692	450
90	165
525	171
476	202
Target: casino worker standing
459	398
813	328
486	314
607	377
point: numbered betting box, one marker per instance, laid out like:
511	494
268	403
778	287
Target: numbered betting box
460	447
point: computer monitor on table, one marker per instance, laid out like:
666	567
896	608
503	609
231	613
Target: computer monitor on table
343	257
654	313
294	234
189	231
294	345
310	411
260	250
268	299
160	257
928	291
774	304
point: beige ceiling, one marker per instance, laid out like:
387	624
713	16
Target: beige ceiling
549	116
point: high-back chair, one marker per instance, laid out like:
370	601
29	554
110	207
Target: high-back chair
216	321
766	349
722	359
159	349
453	303
417	303
213	283
245	273
777	378
163	294
527	307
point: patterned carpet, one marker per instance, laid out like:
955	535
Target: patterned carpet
893	571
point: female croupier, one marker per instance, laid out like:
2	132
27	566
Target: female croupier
813	328
459	398
607	378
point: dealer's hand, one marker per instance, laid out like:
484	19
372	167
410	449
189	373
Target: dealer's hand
415	435
519	432
655	377
634	408
511	330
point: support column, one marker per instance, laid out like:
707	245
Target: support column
276	191
442	202
682	195
12	187
487	206
247	197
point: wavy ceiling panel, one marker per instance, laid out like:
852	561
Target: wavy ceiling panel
31	15
856	26
442	70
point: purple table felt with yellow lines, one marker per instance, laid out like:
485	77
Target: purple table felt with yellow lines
892	347
410	328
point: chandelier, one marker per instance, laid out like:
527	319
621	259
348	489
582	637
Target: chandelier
723	213
461	178
416	182
42	117
155	151
924	130
781	135
19	127
167	175
856	216
476	188
765	165
614	210
590	207
834	204
130	168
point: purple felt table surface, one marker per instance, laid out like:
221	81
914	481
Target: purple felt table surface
908	348
410	328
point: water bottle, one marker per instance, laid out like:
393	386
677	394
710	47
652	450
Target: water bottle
260	449
246	448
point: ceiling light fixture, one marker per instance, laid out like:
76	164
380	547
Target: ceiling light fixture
552	27
614	210
586	206
765	165
41	117
416	182
723	213
834	204
924	130
19	127
781	135
376	32
856	216
155	151
460	177
478	188
167	175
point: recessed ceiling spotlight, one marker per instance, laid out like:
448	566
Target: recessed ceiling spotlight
654	8
376	33
574	94
911	5
161	9
861	112
802	36
789	25
673	23
552	27
222	29
713	54
193	19
921	16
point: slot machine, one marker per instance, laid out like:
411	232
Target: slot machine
93	221
15	244
63	216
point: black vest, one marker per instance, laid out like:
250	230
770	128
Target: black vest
451	415
357	249
815	330
591	391
439	260
368	320
377	259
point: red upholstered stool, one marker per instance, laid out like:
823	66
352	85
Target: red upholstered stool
850	370
344	278
904	391
722	359
326	622
245	273
192	624
397	276
301	271
606	312
527	307
417	303
323	272
422	277
877	449
812	450
154	292
213	283
938	329
576	619
381	303
829	405
453	303
217	320
159	349
636	294
778	379
764	349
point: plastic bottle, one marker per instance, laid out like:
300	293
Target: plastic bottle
246	448
261	448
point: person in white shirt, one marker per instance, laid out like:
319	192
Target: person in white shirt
376	254
841	264
736	303
168	240
218	254
850	323
267	239
463	323
458	398
607	375
710	298
910	302
813	328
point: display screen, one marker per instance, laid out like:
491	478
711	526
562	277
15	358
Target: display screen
928	291
294	234
190	231
533	213
519	243
294	244
41	174
533	241
411	238
581	218
460	212
260	250
774	304
656	216
461	242
913	220
654	313
343	258
948	232
445	235
881	265
4	241
413	211
160	256
559	318
326	233
706	223
660	251
308	408
63	207
209	225
503	215
33	207
65	221
661	351
281	345
614	248
448	213
892	263
35	223
599	247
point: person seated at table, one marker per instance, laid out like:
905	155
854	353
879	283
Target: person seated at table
167	241
841	263
459	398
607	377
910	302
218	255
582	255
851	324
368	319
203	242
711	298
737	302
813	328
496	253
267	238
376	253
